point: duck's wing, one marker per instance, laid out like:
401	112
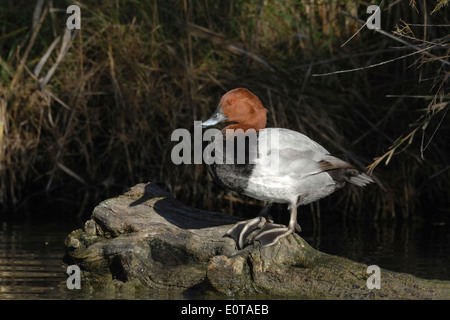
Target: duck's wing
292	141
292	154
284	154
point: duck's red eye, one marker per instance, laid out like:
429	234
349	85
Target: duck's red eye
233	99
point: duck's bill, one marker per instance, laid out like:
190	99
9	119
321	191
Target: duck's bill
216	118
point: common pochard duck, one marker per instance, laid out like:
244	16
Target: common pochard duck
279	166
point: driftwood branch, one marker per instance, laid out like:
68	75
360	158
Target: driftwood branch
147	238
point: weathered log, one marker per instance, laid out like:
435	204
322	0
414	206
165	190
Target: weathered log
148	238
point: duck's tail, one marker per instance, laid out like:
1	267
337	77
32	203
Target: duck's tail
360	179
342	171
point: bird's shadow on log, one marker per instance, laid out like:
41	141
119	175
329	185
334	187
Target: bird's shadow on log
151	190
178	213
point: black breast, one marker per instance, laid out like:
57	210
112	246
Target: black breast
237	163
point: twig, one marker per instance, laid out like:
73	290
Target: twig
71	173
30	45
365	23
235	47
346	57
428	25
41	63
387	34
373	65
422	147
354	35
65	45
412	96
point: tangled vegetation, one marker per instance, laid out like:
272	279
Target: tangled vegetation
86	114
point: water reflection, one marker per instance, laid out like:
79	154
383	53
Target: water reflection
421	249
31	266
30	262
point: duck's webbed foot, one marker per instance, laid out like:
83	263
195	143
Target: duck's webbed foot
241	230
270	234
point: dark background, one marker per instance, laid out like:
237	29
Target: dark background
137	70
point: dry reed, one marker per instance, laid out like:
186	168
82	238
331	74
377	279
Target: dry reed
84	116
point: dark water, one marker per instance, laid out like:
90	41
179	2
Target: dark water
31	266
422	249
30	261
